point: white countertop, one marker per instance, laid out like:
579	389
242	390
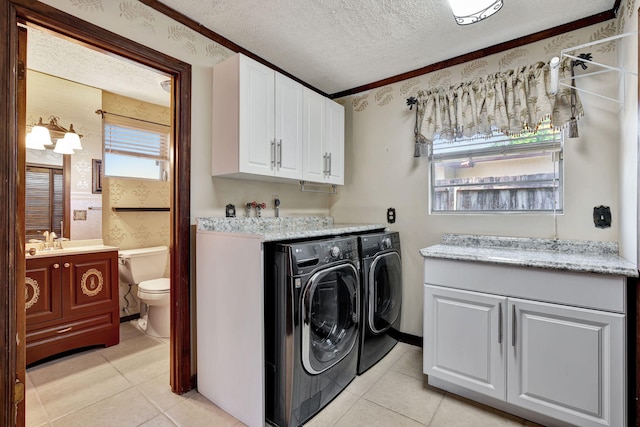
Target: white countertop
569	255
70	247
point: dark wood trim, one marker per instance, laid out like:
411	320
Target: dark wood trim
20	304
9	225
501	47
77	30
182	378
221	40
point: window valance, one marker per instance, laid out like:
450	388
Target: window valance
510	102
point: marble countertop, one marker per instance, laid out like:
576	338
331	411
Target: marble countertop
282	228
568	255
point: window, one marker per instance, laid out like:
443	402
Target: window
44	199
499	173
135	148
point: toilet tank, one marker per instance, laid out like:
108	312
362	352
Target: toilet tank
138	265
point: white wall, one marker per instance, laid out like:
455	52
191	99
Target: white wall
382	172
628	123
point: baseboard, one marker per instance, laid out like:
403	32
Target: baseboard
129	317
406	338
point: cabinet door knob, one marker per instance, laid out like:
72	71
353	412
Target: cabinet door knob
56	265
67	265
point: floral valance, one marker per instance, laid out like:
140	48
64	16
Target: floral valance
512	101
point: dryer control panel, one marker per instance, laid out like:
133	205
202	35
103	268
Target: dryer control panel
371	244
307	256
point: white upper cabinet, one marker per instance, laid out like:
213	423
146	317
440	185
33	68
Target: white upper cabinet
288	131
266	125
334	142
257	121
323	139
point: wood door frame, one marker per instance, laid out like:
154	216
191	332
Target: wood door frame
11	241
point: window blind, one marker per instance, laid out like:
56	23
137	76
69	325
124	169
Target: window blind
135	138
44	201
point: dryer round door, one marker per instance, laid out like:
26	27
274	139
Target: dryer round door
385	292
330	307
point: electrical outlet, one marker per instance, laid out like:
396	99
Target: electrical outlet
391	215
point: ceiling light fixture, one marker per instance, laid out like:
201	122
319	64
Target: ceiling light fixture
471	11
166	85
41	134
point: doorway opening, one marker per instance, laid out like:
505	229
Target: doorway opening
50	19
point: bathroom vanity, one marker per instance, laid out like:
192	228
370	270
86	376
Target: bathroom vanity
71	299
534	327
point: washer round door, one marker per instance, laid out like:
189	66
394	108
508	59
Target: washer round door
330	302
385	292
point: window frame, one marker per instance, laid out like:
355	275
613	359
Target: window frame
140	148
51	171
554	148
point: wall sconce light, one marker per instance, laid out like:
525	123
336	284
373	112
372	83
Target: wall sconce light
41	134
471	11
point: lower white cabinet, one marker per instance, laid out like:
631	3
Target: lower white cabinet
564	362
465	333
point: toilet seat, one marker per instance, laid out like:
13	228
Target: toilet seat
155	286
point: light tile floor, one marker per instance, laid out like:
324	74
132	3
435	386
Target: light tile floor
128	385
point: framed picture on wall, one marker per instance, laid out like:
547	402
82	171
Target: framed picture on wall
97	176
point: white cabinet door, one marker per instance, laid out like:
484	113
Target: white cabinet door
314	162
323	139
567	362
464	339
334	141
256	123
288	127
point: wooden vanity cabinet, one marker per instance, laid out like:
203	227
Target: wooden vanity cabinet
71	302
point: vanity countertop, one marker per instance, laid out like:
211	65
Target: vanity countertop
71	247
282	228
570	255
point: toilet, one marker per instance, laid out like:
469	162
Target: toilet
145	267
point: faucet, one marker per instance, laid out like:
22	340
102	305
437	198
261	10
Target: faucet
276	207
48	239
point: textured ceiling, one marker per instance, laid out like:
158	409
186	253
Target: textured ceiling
333	45
336	45
59	57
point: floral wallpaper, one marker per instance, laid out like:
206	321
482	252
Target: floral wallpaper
129	230
135	18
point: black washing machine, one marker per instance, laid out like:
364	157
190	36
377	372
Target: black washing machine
312	299
381	284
